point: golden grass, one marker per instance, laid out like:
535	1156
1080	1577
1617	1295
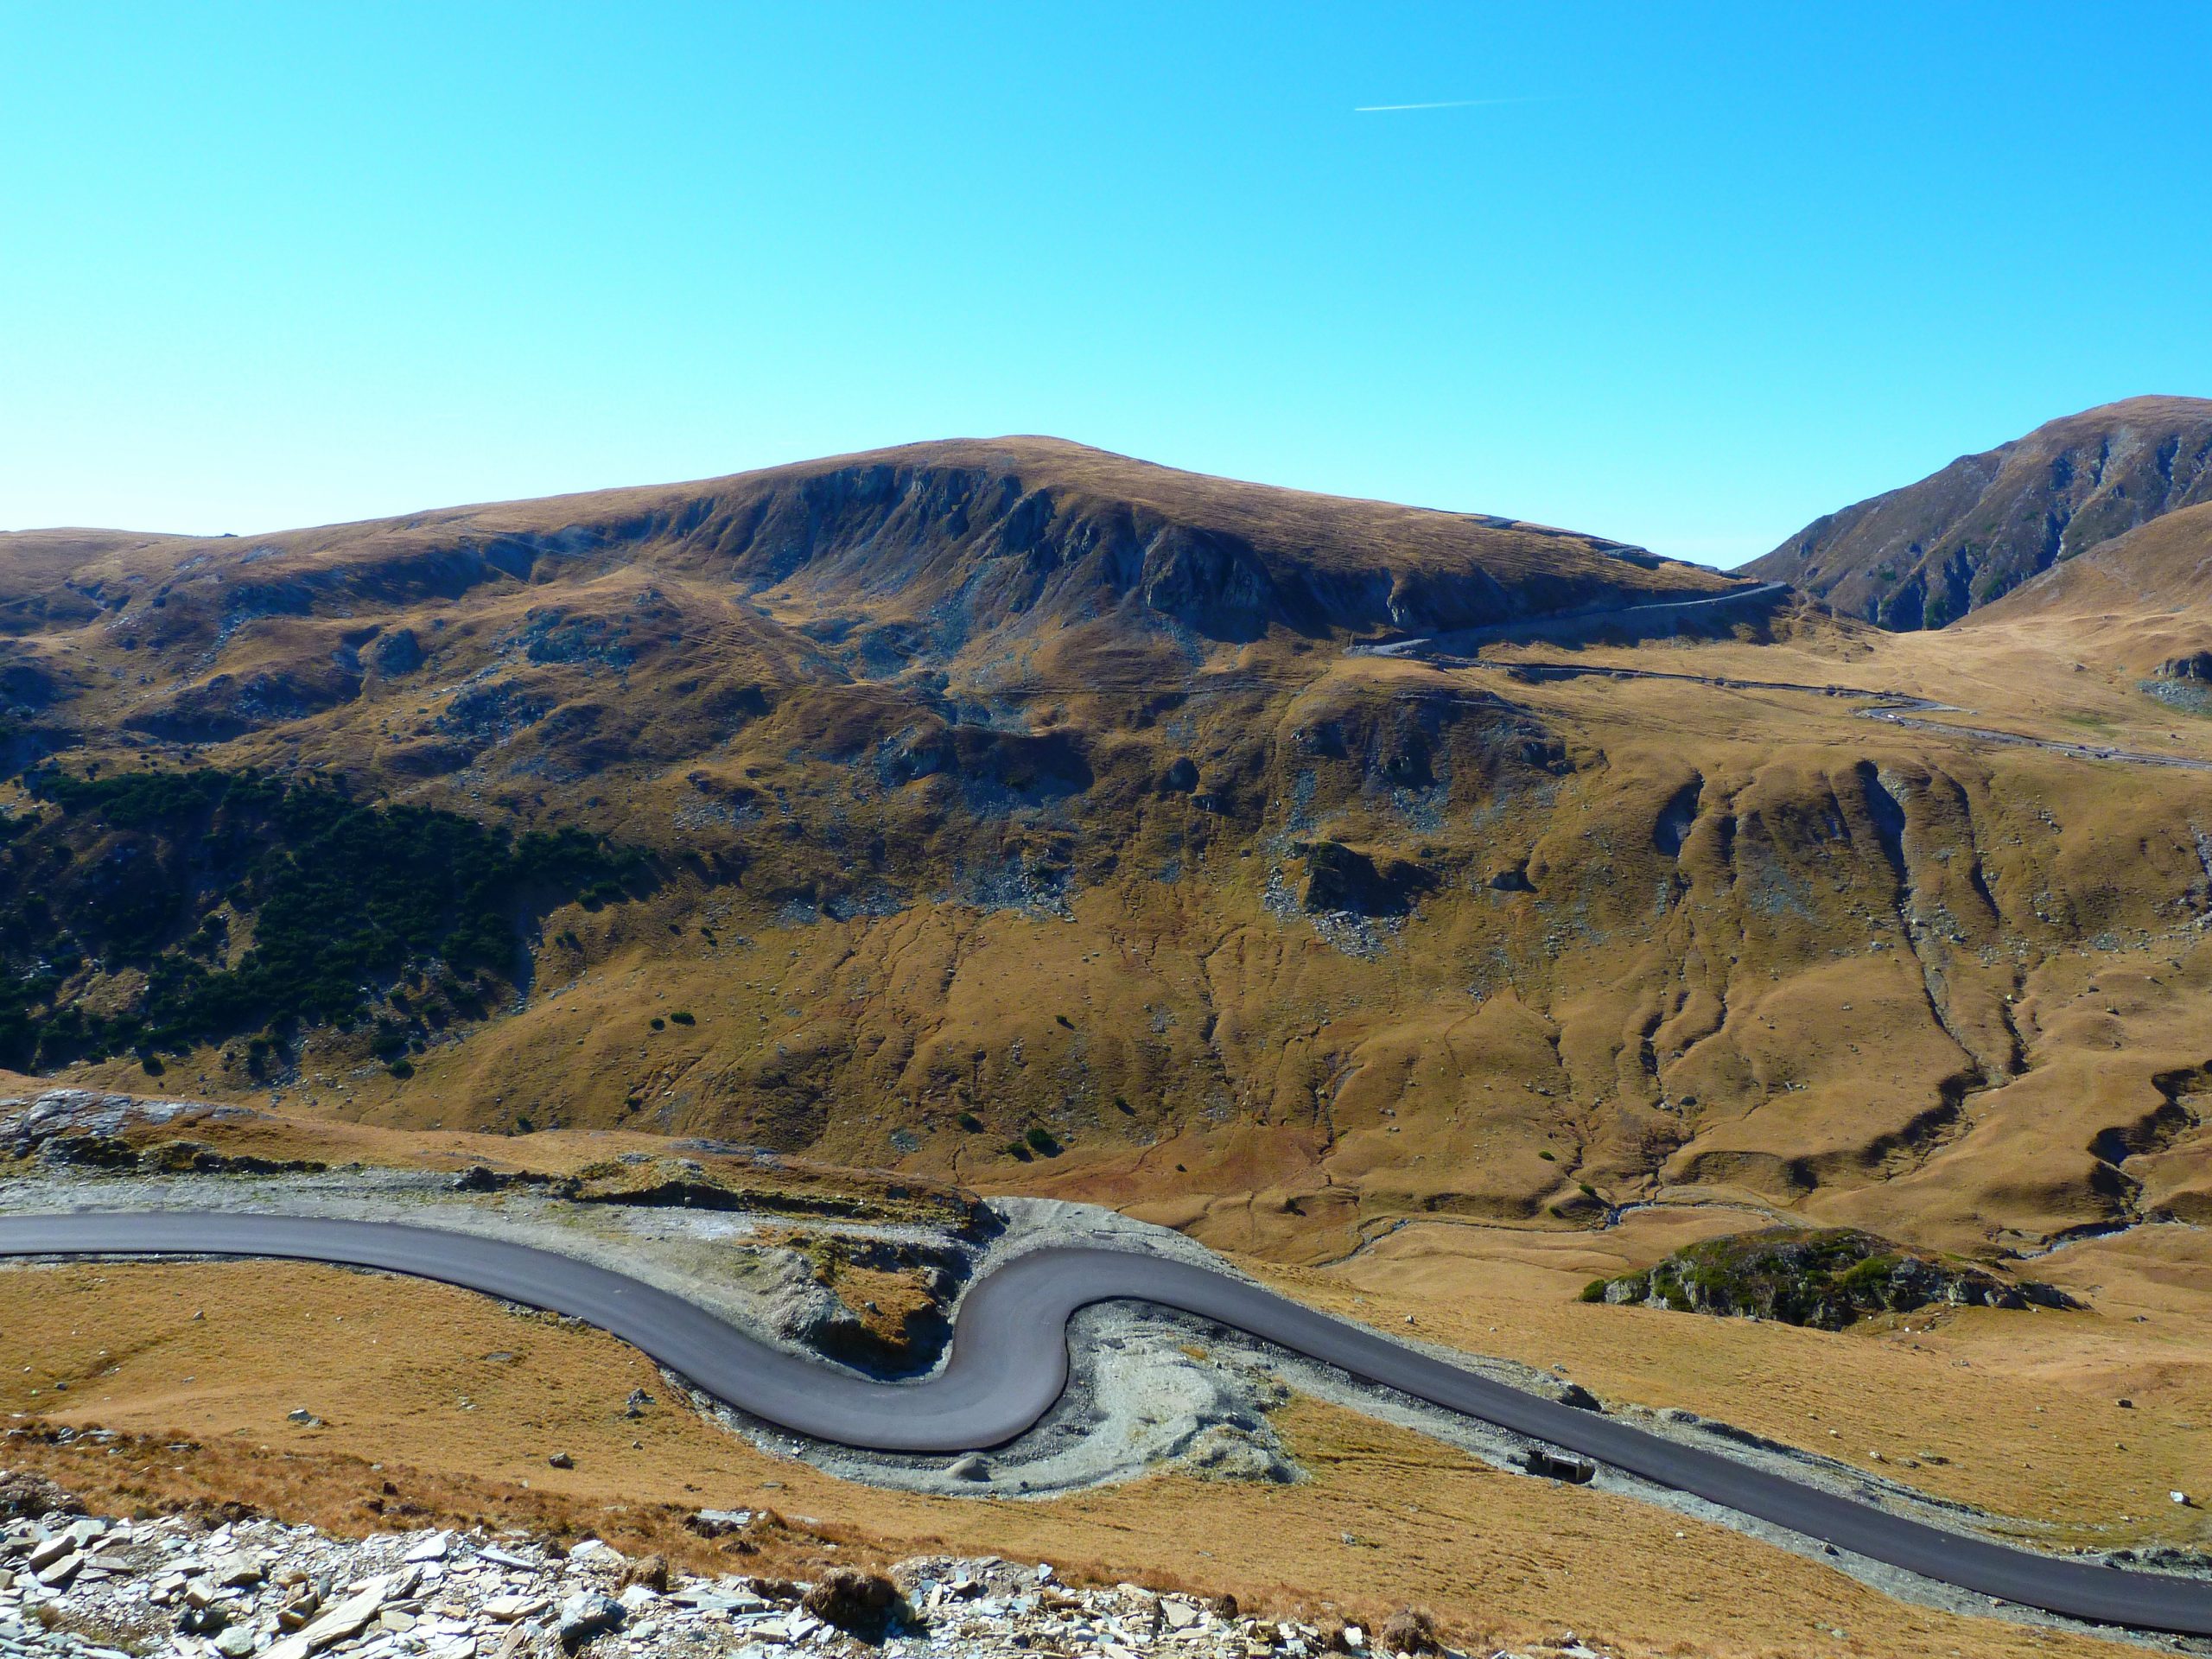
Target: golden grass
394	1368
2014	1412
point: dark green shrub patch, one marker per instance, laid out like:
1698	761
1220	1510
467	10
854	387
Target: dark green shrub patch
119	903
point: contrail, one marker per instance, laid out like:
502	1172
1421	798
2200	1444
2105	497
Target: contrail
1450	103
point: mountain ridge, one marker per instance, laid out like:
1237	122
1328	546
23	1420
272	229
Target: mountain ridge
1235	556
1011	820
1928	553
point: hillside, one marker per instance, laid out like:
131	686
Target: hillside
2142	601
671	857
1929	553
971	535
861	810
2160	572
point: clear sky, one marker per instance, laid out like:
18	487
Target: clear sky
1684	275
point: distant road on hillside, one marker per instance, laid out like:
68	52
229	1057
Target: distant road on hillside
1008	1364
1576	625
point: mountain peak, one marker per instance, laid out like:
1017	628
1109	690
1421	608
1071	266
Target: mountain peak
1964	537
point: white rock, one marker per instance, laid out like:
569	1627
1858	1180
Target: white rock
48	1551
348	1619
432	1548
238	1570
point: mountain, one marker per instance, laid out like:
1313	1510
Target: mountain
1926	554
971	535
1011	814
2161	569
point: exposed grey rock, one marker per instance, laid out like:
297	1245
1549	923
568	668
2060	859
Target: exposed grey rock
585	1615
718	1524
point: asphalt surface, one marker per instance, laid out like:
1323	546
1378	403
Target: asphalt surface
1552	623
1008	1364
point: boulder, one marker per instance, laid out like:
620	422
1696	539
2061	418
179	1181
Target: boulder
47	1551
347	1620
718	1524
587	1615
238	1570
398	652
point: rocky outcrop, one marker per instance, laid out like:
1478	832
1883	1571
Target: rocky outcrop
2183	683
1827	1278
1342	879
1040	528
227	706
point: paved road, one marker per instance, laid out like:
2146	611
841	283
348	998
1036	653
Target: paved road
1008	1364
1552	625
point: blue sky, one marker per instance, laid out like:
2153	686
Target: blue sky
1684	275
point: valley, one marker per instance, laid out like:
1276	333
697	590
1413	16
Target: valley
1431	912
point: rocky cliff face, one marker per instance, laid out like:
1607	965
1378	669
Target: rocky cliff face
1926	554
906	555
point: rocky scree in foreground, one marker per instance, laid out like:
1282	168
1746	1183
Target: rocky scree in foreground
90	1588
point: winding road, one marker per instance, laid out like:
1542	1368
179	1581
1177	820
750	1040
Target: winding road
1008	1364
